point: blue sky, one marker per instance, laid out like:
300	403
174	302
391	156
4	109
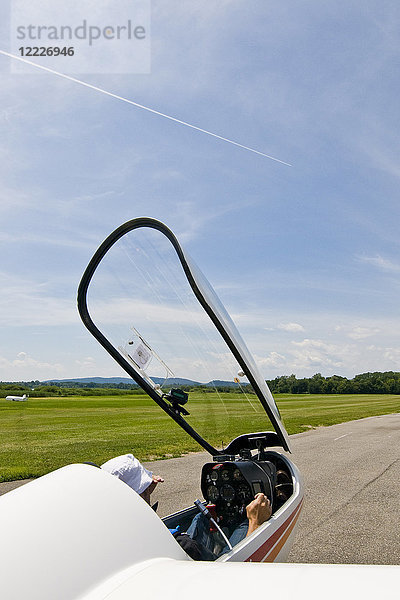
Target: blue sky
306	258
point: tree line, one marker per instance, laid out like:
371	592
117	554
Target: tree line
365	383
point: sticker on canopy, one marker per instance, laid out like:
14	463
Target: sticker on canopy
140	354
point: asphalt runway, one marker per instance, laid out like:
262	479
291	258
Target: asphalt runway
351	474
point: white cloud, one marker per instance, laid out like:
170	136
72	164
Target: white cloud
291	327
384	264
273	359
383	153
317	354
119	311
359	333
88	362
192	217
25	302
312	355
24	368
393	355
30	237
12	199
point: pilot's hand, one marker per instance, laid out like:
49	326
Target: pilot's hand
146	494
258	511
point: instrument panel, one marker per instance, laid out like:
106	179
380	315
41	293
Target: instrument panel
231	486
227	484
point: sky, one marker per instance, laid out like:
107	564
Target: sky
305	257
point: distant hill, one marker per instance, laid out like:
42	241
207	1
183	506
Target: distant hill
220	383
126	380
114	380
117	380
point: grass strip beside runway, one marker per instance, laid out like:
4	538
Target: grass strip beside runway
43	434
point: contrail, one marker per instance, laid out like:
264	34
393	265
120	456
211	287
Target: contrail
156	112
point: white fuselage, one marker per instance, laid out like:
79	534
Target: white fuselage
76	527
80	533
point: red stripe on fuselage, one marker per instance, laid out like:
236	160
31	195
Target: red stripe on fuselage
272	554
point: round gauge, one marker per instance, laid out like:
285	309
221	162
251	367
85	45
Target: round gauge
237	474
225	475
227	493
243	492
214	475
212	493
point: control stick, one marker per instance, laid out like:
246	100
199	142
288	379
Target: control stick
204	511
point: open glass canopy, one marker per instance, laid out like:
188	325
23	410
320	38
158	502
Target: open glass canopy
153	310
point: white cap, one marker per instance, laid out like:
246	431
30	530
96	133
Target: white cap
130	471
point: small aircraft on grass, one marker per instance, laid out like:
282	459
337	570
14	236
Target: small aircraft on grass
87	535
23	398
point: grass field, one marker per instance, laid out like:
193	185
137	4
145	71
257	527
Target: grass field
43	434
